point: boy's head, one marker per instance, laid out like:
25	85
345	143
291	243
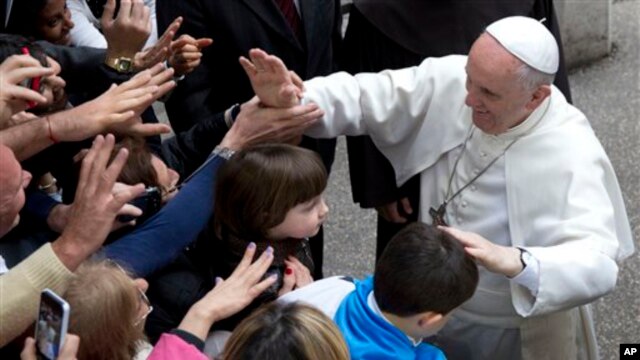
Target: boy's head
423	274
259	186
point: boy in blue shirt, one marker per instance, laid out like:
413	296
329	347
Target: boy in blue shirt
422	276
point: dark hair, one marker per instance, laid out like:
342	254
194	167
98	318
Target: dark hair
258	186
286	332
138	168
24	17
423	269
13	44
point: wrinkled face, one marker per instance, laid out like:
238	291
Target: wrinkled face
302	221
497	99
168	178
54	22
13	181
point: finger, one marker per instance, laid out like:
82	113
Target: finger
394	216
145	130
125	10
247	258
260	287
276	65
203	43
107	13
259	267
87	163
29	350
183	40
297	81
124	196
406	205
288	282
248	67
111	173
137	8
128	209
161	74
171	31
14	62
70	347
186	57
22	93
16	76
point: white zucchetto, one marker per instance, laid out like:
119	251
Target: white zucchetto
528	40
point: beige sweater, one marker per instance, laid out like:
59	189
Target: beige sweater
20	290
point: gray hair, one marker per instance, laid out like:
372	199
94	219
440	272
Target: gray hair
531	78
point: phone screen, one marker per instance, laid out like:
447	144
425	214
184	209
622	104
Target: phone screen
51	327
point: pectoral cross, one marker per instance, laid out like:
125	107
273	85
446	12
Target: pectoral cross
438	215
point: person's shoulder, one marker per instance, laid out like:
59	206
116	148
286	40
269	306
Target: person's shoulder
325	295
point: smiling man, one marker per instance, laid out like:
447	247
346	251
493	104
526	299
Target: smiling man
513	169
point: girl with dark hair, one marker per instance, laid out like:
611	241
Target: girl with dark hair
271	195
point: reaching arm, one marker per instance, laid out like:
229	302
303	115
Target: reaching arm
117	110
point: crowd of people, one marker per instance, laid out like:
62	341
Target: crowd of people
500	215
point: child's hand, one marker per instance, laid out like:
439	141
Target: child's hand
231	295
296	275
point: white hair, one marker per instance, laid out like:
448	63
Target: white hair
531	78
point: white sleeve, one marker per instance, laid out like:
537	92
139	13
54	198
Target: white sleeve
529	277
84	32
326	295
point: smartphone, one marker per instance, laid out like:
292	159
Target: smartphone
32	83
149	202
51	327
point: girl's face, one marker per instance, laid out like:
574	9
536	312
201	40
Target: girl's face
54	22
302	221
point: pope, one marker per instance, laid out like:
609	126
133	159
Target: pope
507	166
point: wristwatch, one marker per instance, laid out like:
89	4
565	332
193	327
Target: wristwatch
525	257
120	64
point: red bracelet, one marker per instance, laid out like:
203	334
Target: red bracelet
51	137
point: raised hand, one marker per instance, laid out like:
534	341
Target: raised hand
118	109
95	205
127	33
256	124
160	51
231	295
272	82
15	98
186	53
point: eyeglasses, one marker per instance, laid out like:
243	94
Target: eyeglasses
142	297
145	300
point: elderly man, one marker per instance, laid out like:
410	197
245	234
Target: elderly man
514	170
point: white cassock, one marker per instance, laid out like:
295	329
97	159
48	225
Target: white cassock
553	193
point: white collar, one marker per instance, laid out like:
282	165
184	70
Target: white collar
373	305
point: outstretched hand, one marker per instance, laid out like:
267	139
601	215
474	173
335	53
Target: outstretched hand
118	109
95	205
272	82
158	52
186	53
231	295
498	259
257	124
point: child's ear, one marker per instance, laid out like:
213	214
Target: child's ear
429	319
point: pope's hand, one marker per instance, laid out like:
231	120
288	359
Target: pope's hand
498	259
272	82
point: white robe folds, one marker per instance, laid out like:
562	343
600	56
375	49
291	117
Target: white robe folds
555	192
